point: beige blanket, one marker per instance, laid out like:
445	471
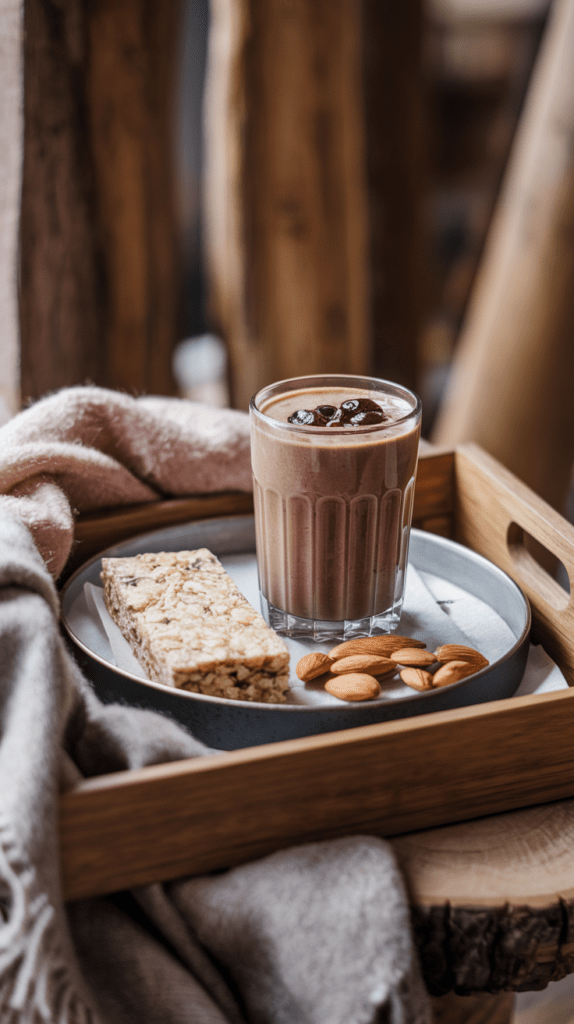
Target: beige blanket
83	449
318	934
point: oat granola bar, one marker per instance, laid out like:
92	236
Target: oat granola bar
191	628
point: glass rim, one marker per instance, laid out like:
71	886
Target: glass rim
331	378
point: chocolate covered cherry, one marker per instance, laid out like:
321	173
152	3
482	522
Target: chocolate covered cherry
360	412
305	417
356	412
364	417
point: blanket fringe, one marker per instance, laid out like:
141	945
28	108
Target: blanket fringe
36	986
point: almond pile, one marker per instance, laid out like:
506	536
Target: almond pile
351	668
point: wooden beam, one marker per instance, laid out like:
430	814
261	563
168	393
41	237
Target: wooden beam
500	527
130	95
62	306
97	265
396	147
192	816
311	207
511	384
98	530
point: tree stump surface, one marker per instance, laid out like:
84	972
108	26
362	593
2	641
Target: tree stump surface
493	900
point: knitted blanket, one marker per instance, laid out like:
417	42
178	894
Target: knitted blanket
316	934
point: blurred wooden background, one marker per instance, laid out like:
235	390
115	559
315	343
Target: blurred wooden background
353	166
351	159
313	184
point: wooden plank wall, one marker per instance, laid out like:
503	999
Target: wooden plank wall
97	260
511	382
313	187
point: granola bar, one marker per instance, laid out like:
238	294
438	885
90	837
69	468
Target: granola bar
191	628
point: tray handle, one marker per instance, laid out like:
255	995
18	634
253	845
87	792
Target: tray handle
499	516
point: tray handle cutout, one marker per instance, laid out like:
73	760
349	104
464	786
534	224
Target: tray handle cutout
499	516
538	566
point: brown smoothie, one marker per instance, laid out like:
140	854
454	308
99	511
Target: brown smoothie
333	501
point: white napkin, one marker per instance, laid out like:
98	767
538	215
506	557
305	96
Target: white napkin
435	608
121	650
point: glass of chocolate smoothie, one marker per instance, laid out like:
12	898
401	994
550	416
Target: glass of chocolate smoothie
334	460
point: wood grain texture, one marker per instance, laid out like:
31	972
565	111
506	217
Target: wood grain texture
493	511
96	531
478	1009
305	276
284	189
443	526
396	152
98	283
130	93
195	816
435	485
61	302
515	356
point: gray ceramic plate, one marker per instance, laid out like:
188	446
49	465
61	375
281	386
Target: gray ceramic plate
228	724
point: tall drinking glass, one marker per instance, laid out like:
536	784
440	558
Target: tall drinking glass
334	460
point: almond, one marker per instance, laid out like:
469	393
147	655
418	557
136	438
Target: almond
369	663
312	665
452	671
417	678
413	656
353	686
458	652
382	645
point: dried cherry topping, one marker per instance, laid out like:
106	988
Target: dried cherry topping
366	417
306	418
361	412
353	412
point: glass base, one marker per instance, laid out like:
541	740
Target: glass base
314	629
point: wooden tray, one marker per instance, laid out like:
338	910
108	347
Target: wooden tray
225	724
186	817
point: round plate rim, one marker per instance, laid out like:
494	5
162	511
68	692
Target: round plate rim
286	708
